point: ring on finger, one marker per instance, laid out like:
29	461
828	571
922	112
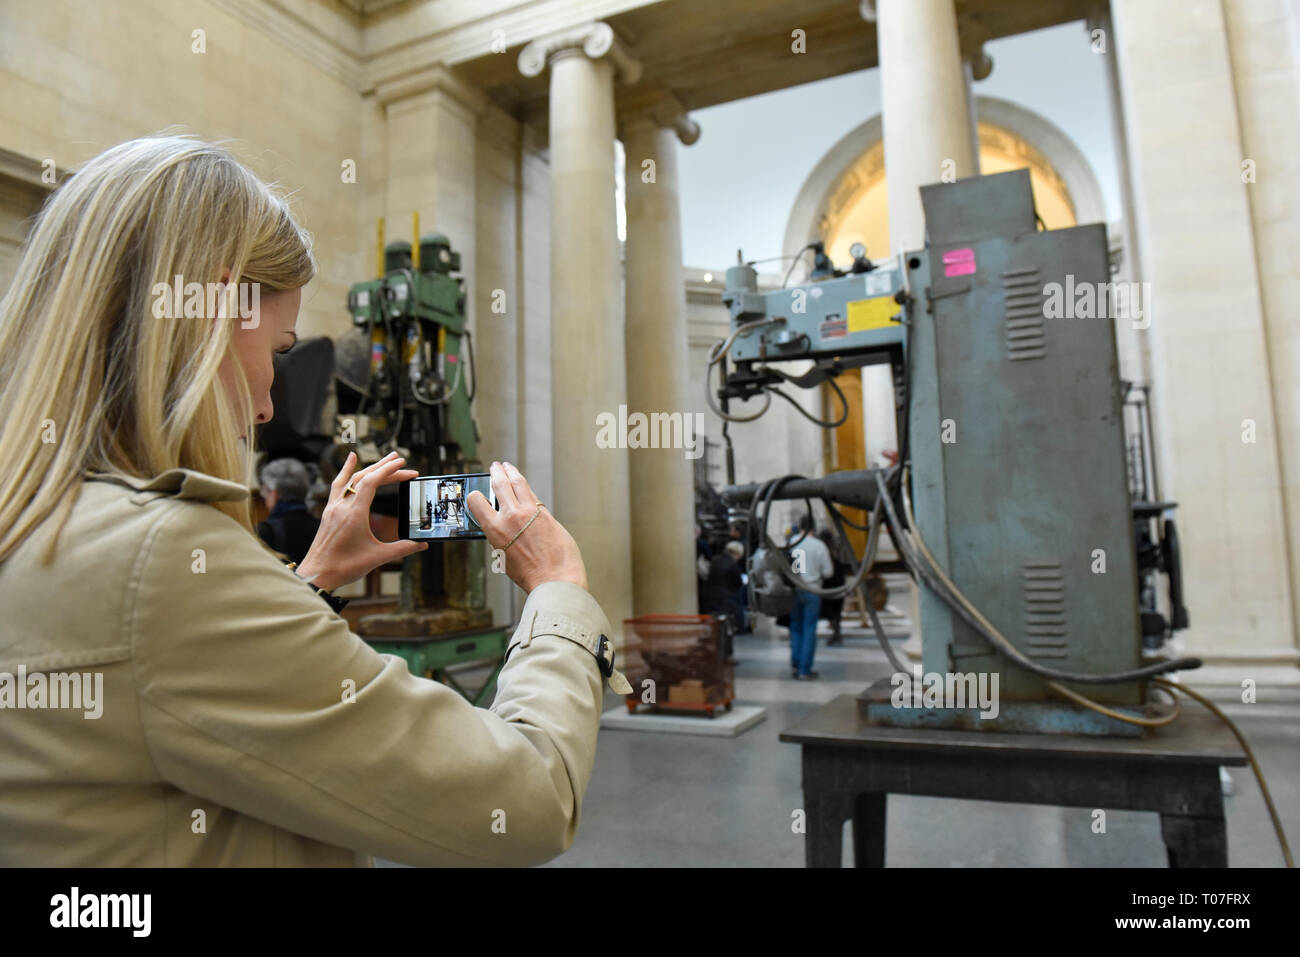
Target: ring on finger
360	474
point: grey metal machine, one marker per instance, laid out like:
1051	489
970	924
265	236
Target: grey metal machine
1011	501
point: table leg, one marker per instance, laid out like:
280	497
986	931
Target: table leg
827	812
869	830
1195	841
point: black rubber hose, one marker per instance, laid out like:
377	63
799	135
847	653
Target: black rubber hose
787	570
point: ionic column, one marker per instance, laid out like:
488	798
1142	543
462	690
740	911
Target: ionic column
927	127
1225	377
925	108
587	354
662	479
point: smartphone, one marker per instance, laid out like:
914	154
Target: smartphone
435	507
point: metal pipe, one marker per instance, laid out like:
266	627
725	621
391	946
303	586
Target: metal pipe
856	489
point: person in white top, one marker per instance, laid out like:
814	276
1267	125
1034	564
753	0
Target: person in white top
812	563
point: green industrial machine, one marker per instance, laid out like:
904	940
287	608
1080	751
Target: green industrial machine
407	382
414	317
1012	453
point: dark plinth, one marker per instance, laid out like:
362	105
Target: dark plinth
850	766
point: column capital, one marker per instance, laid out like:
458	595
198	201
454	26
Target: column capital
595	39
436	77
662	108
972	34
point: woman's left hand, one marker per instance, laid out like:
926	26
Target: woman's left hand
345	548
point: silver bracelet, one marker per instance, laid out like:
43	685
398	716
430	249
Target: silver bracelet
540	506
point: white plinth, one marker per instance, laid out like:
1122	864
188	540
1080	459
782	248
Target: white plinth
724	724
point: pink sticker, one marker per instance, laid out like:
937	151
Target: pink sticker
959	262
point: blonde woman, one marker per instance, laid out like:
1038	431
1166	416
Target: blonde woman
170	693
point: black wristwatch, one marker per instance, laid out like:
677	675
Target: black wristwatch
336	603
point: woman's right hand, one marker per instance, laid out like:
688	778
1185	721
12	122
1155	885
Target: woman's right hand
546	552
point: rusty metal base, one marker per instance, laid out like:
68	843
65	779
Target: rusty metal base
1026	717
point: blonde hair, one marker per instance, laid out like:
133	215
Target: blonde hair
83	359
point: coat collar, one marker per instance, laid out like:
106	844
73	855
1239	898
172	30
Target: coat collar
180	483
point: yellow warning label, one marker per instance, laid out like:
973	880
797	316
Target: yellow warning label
875	313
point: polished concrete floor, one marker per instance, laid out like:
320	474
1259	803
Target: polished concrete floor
669	800
664	800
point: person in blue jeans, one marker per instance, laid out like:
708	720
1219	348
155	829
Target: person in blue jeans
812	563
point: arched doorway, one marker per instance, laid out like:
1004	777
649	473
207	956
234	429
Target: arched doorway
845	200
846	190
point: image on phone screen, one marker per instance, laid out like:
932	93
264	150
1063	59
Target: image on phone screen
436	506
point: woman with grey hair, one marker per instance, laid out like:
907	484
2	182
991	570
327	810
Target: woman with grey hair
290	528
720	594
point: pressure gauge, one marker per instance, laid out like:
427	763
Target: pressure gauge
858	251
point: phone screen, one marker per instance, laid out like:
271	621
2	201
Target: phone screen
435	506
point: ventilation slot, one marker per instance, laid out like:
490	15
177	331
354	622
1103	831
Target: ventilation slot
1043	584
1022	292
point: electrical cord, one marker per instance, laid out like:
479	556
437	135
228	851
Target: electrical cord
723	346
899	667
844	416
874	523
1117	715
768	490
752	523
957	600
446	397
971	615
850	586
727	416
925	568
844	403
716	354
1214	709
991	633
849	522
953	595
798	256
408	273
771	259
783	565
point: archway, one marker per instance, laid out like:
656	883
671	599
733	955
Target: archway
846	190
844	200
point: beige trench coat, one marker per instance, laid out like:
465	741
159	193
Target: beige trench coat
226	736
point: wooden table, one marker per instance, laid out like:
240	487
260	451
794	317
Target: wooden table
849	767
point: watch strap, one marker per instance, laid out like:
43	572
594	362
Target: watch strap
336	604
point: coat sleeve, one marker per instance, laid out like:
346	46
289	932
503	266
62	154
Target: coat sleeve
256	696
